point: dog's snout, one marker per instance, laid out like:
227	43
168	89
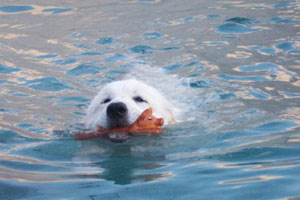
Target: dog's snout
117	110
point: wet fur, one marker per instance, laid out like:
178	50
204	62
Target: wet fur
126	91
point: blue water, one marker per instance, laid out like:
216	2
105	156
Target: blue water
231	67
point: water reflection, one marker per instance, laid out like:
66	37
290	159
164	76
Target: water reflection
119	164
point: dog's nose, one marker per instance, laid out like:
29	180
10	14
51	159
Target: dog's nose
117	110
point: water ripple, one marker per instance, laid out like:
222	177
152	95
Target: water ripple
64	62
33	9
141	49
47	84
152	36
15	9
7	70
243	78
105	40
57	10
237	25
84	69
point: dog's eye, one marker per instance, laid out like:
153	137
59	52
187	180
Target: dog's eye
139	99
106	100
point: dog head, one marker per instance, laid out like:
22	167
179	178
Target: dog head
120	103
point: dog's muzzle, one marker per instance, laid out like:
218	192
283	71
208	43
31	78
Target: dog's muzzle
117	114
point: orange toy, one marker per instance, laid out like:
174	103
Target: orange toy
146	123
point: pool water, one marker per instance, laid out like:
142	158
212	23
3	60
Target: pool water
231	68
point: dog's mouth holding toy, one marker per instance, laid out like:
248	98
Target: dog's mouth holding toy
145	124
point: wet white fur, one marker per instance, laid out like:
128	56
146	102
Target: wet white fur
124	91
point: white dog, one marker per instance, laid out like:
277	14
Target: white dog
120	103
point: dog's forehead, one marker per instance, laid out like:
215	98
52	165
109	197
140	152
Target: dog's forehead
124	88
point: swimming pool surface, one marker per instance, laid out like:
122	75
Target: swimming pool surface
231	67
